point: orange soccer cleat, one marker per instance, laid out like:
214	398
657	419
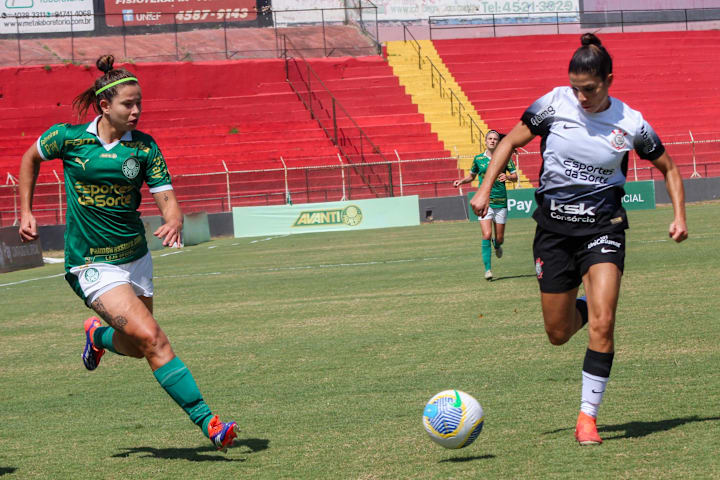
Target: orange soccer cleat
586	430
223	435
91	354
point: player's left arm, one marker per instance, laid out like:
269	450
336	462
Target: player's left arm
673	181
171	231
510	173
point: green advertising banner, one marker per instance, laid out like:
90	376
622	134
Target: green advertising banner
326	217
196	230
639	195
521	202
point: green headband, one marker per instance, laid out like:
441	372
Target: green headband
116	82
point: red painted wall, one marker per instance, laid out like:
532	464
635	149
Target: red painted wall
38	86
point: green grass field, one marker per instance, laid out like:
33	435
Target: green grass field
325	348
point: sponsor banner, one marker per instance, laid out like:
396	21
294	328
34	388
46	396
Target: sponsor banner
639	195
196	228
326	217
163	12
411	10
16	255
45	16
521	202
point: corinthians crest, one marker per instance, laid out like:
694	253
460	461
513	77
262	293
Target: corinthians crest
617	139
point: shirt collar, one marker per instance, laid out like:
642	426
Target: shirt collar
93	128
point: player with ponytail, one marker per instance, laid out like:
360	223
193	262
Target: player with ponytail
107	261
580	237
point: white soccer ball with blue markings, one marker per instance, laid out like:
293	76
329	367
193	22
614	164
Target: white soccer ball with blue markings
453	419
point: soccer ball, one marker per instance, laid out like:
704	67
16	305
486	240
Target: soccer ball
453	419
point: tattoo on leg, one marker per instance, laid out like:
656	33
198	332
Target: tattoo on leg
118	322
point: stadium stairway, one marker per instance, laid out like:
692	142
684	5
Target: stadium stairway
371	94
668	76
440	112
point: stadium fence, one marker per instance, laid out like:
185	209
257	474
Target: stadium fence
220	190
518	20
223	37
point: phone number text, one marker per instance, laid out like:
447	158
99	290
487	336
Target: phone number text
529	7
188	15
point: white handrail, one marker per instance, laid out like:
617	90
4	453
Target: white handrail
227	184
288	199
342	174
400	172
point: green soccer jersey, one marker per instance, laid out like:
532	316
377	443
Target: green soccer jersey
102	185
498	193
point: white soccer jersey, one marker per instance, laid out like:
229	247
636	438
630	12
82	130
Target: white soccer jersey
585	159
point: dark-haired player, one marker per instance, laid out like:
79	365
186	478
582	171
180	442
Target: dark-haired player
580	237
107	260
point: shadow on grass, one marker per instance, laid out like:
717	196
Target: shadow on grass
510	277
199	454
7	470
467	459
642	429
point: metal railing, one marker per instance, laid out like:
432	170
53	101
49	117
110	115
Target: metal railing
177	41
224	188
571	21
456	105
339	126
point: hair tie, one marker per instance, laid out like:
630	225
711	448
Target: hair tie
116	82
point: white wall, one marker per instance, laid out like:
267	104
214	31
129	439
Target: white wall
407	10
603	5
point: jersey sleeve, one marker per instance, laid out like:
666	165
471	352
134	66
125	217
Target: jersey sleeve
540	115
647	144
475	169
50	144
157	174
510	166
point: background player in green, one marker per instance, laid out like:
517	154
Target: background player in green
107	261
497	213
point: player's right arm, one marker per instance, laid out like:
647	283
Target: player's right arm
518	137
29	170
467	179
50	145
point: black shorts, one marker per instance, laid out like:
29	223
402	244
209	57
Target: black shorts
561	261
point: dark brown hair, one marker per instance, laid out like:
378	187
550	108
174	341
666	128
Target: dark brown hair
591	58
88	98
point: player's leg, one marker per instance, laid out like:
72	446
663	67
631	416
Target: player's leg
558	279
602	286
108	338
137	330
499	225
486	248
560	315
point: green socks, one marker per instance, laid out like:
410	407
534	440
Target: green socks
486	254
102	338
179	383
496	244
174	377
